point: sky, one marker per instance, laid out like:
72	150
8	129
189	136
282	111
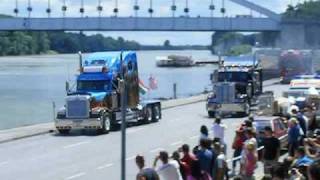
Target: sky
161	9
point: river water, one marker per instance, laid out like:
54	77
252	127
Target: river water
29	84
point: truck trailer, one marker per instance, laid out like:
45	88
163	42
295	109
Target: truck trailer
95	101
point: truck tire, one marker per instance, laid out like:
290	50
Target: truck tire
106	125
64	131
148	115
211	114
156	113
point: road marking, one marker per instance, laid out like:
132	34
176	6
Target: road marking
194	137
104	166
156	150
176	143
130	131
75	176
4	163
75	144
130	158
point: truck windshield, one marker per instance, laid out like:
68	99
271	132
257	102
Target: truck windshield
92	85
233	77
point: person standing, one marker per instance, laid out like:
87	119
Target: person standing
293	136
218	129
205	156
169	170
249	162
204	133
271	150
145	173
237	146
187	158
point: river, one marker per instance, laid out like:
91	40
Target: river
29	84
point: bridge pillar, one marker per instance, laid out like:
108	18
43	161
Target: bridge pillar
300	35
292	36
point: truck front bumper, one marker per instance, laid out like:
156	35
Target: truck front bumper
240	107
91	123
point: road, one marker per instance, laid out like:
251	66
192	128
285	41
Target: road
87	156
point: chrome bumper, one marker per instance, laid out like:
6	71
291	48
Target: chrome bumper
92	123
227	107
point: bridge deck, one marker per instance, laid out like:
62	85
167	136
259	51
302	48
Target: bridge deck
140	24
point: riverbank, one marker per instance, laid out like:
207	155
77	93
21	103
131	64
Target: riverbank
45	128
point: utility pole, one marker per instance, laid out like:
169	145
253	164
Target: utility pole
123	92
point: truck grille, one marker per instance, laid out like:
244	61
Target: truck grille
77	108
225	93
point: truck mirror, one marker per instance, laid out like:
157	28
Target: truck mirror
67	86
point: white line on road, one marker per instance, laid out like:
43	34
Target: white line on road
104	166
75	144
156	150
4	163
176	143
75	176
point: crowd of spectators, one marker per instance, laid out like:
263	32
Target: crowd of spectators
207	160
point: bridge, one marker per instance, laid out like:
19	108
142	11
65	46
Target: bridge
270	21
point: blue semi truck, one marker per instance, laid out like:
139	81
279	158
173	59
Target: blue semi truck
95	101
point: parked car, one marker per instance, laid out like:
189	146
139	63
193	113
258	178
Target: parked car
278	126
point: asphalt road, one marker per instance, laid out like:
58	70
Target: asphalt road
87	156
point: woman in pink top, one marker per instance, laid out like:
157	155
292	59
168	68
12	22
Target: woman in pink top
249	161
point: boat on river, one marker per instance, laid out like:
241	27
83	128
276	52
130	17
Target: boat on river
174	61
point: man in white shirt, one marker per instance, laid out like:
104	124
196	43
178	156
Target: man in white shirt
218	129
169	170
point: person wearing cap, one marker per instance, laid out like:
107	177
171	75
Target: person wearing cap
145	173
169	169
294	135
271	150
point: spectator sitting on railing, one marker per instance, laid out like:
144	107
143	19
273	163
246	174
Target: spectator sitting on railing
301	158
271	150
312	146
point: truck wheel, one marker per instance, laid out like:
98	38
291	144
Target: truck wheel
106	125
148	115
64	131
156	114
211	114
